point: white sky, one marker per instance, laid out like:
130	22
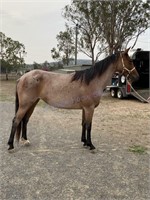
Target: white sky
35	23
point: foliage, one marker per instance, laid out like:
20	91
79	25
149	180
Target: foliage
65	47
82	13
47	66
107	24
12	53
5	66
121	21
36	65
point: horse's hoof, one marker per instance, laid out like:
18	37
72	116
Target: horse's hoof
24	142
92	147
27	143
11	150
85	145
93	151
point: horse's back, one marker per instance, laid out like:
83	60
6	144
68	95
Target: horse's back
35	77
49	86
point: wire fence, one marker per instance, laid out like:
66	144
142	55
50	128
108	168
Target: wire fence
9	76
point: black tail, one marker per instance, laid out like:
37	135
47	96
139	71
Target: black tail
16	109
16	102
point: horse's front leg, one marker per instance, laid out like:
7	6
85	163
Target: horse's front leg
89	111
89	141
83	136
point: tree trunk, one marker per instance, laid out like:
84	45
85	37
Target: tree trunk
6	74
93	61
111	49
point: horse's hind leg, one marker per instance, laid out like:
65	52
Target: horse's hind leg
16	121
12	134
24	140
25	121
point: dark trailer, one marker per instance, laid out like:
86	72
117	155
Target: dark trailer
121	88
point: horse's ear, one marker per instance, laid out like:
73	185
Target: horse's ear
126	51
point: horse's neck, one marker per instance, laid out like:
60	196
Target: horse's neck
106	77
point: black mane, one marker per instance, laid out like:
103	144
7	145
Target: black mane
98	69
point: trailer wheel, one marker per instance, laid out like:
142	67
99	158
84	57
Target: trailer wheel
113	93
119	94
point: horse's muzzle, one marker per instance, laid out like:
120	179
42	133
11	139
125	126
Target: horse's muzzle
133	77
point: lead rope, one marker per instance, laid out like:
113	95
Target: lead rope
129	71
145	100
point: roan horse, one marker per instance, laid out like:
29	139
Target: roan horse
78	90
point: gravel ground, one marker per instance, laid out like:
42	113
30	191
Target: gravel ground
57	167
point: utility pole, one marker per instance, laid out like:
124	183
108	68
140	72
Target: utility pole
76	42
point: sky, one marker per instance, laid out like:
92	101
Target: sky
35	23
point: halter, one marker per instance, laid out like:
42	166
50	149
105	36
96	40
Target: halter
124	68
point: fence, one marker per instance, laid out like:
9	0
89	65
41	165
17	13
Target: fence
11	76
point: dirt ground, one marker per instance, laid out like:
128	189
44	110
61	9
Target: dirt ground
57	166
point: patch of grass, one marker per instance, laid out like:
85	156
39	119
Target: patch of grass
137	149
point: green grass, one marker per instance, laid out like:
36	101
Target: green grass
137	149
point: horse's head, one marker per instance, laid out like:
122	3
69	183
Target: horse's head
126	67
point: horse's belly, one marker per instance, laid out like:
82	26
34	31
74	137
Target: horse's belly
67	103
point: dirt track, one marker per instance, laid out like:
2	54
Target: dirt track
56	166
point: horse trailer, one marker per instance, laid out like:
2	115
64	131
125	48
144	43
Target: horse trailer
120	86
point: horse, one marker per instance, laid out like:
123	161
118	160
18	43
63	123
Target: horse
78	90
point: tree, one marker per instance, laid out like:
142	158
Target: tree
65	47
122	21
12	53
36	65
83	13
108	25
